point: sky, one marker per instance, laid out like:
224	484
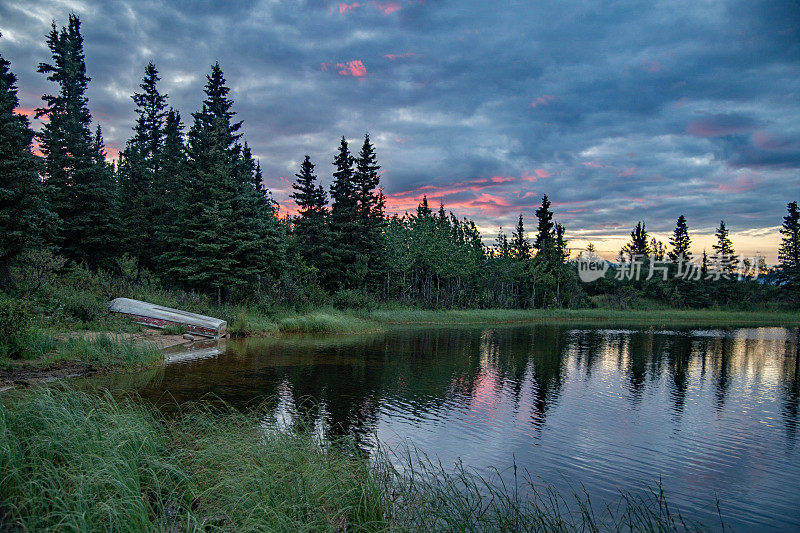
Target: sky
620	111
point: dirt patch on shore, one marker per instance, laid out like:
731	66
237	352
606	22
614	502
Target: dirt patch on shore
27	375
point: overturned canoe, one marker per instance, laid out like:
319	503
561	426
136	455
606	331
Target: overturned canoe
161	317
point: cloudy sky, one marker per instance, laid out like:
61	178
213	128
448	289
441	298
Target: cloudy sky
620	111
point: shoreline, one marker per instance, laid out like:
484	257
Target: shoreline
24	373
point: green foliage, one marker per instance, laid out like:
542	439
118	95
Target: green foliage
16	323
680	240
309	231
82	305
26	221
226	233
141	175
348	299
80	182
789	252
108	352
326	322
639	246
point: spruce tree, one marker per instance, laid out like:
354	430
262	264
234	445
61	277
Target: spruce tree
140	172
169	183
789	251
423	210
520	246
220	207
680	240
544	229
344	226
723	249
369	208
81	185
26	221
639	244
309	225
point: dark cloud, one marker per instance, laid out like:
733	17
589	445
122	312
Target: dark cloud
620	110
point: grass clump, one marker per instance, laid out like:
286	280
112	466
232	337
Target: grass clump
100	351
107	352
326	322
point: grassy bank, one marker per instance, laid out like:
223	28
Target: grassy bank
46	357
253	323
73	461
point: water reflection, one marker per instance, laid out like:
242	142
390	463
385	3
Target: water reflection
707	411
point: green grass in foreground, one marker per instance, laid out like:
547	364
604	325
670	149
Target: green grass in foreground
74	461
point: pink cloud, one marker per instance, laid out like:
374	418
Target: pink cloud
720	125
352	68
592	164
651	65
765	141
399	56
27	111
388	8
542	100
344	8
537	174
626	172
743	183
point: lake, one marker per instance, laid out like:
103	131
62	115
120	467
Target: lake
708	412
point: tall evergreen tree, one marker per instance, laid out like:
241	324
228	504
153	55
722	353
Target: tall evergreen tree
423	210
520	245
723	249
343	224
369	208
680	240
25	218
639	244
789	251
140	172
544	228
309	226
169	183
226	230
81	185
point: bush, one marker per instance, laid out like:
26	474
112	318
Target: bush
347	299
16	324
82	305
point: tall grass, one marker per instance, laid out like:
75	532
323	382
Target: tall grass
659	316
326	322
73	461
107	352
99	351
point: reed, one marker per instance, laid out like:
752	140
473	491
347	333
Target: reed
76	461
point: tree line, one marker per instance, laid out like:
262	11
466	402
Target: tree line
189	207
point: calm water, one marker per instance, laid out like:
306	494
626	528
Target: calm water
708	411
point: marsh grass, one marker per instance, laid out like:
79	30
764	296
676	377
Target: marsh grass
75	461
627	316
98	351
327	321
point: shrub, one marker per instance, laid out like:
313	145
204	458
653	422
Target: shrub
16	324
82	305
347	299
